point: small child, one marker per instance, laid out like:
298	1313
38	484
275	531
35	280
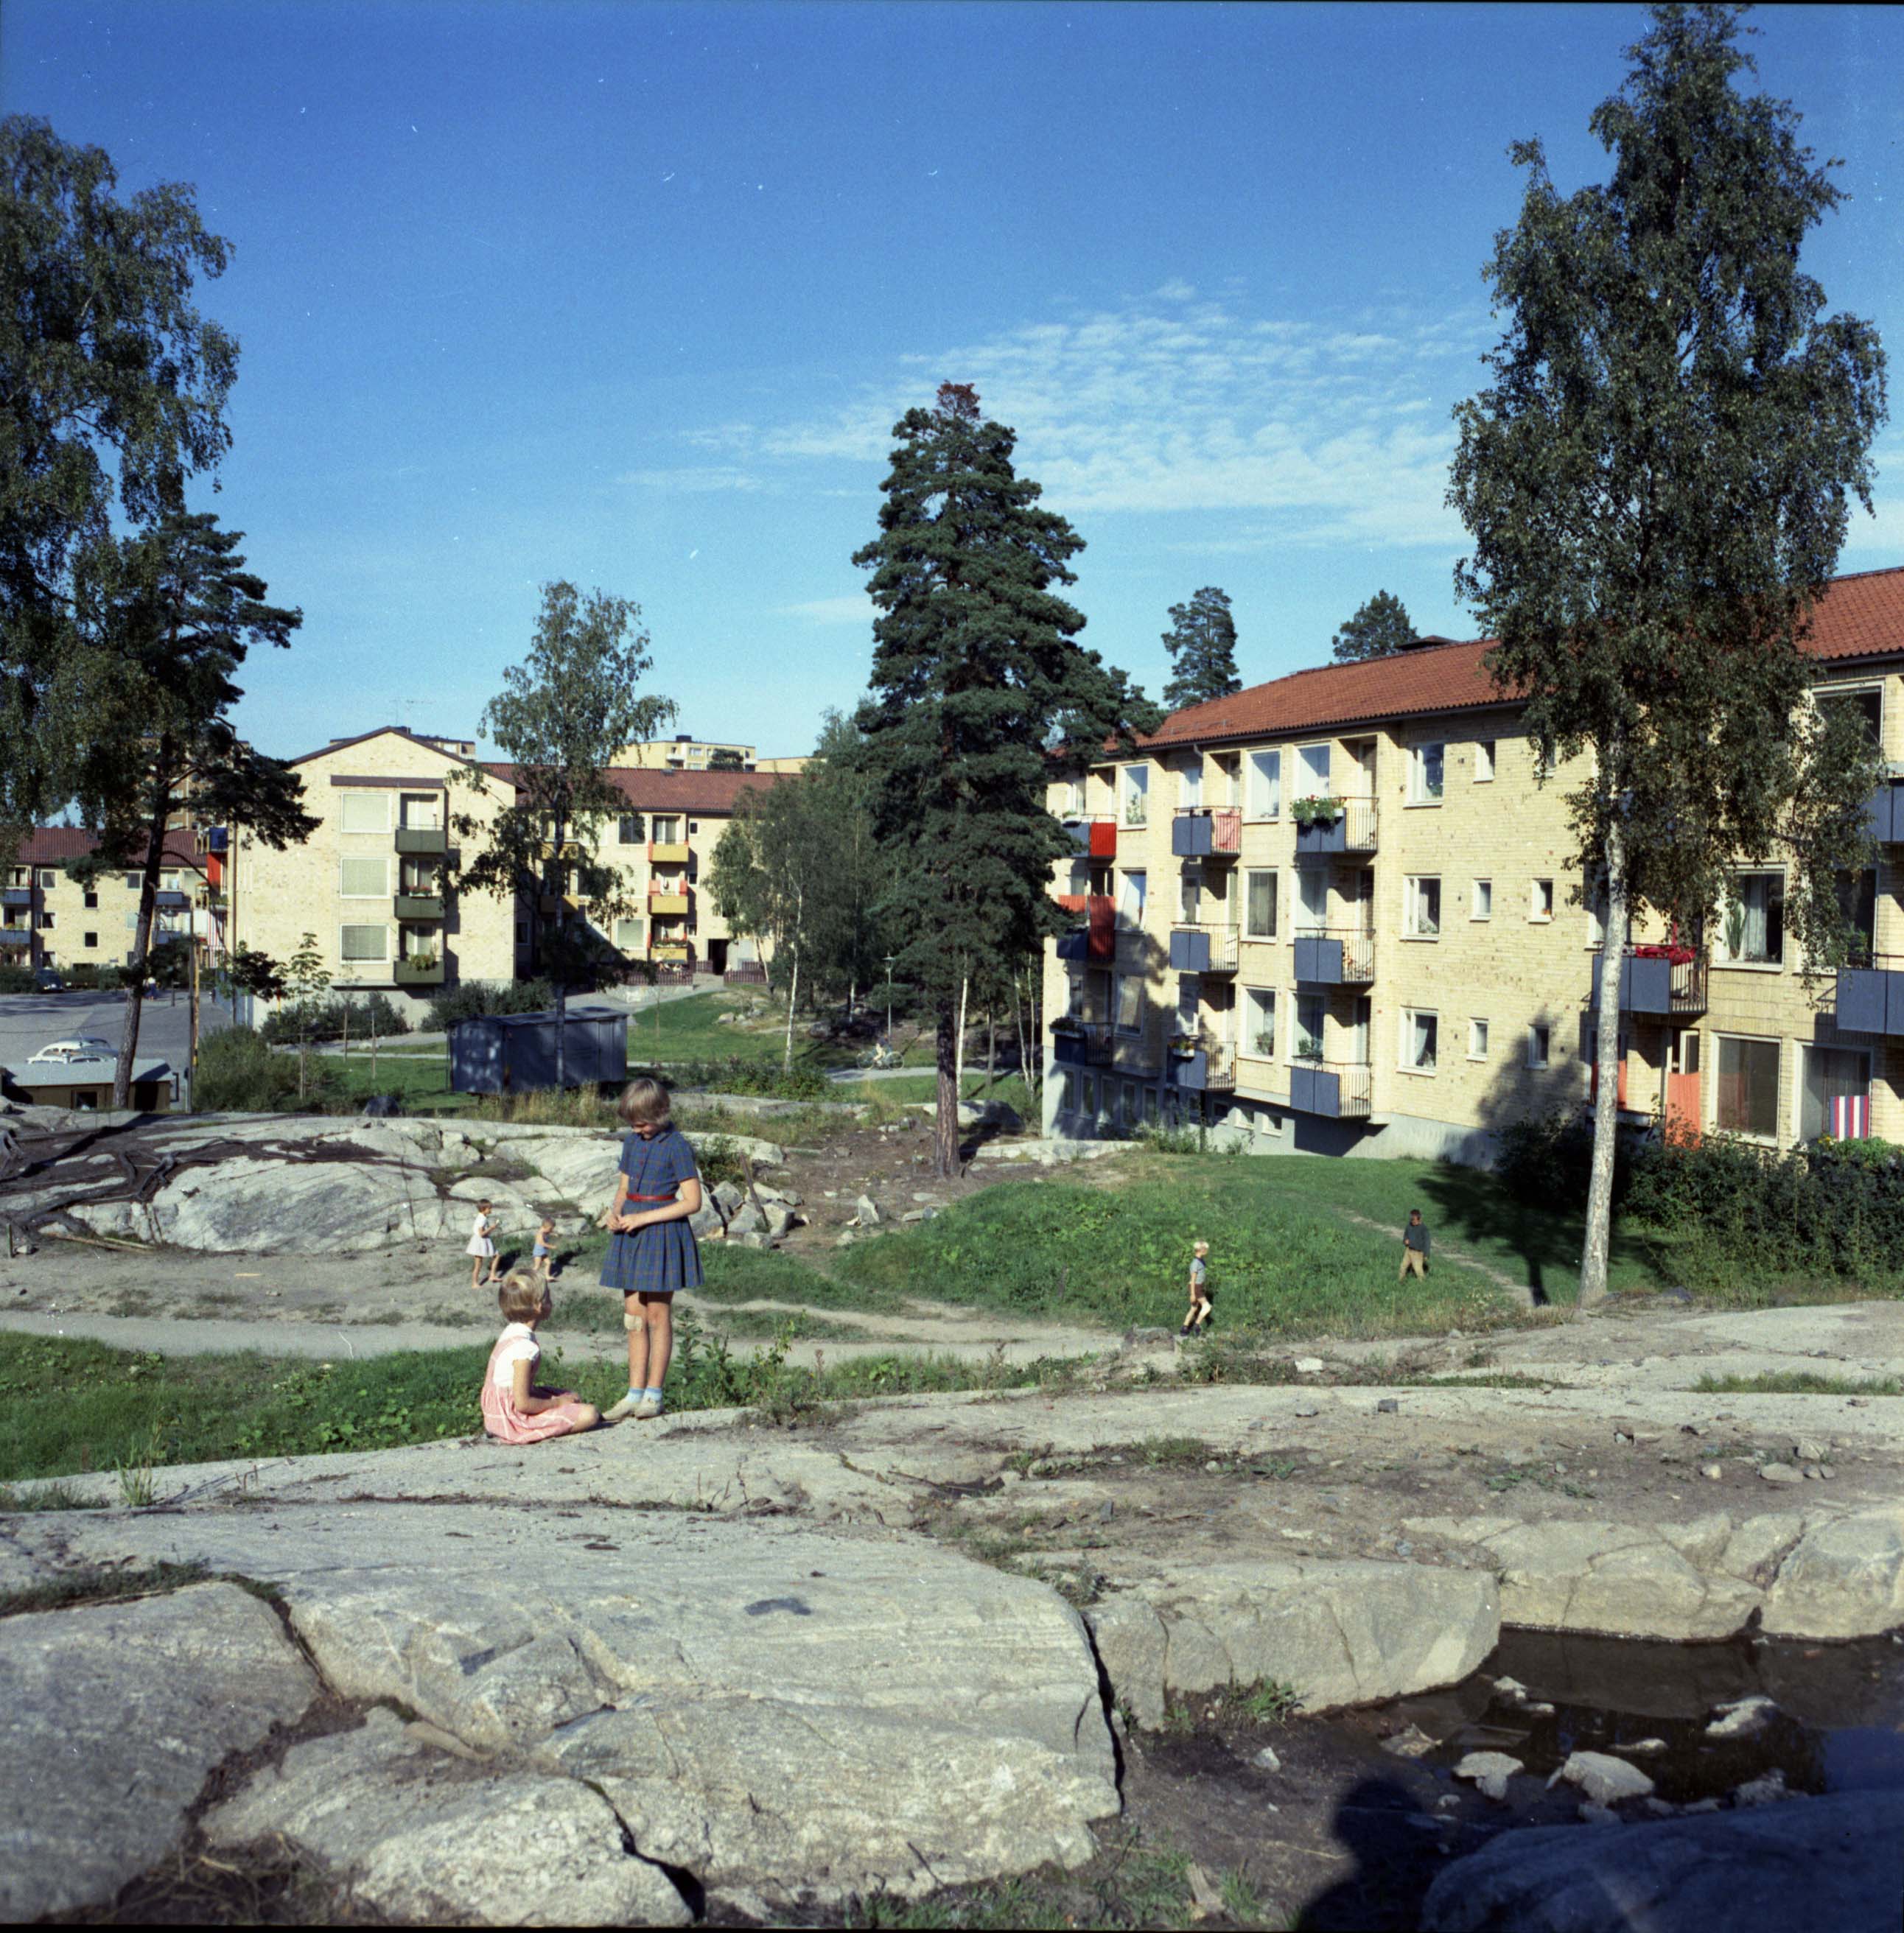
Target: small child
1199	1309
542	1262
514	1410
482	1247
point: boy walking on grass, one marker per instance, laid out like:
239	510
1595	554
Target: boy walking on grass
1199	1310
1415	1247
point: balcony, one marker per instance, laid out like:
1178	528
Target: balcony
1076	1043
1206	947
431	839
1870	999
665	952
1201	1065
1884	814
1341	1090
16	896
16	936
419	969
666	902
1336	956
1095	937
1350	834
214	838
169	902
668	852
420	906
1094	838
1662	983
1206	832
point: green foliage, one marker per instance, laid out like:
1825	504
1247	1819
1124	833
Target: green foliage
1548	1158
1268	1702
336	1019
1201	643
16	979
238	1073
115	397
471	999
735	1075
1379	630
1315	809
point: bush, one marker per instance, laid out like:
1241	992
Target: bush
1547	1160
328	1020
239	1074
475	998
16	979
749	1077
83	979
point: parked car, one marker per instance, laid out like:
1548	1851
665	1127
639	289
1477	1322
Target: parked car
83	1047
48	981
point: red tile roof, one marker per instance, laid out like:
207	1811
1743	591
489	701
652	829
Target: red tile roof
1860	615
53	845
656	789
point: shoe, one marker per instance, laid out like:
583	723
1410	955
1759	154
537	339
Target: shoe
630	1404
647	1409
1188	1329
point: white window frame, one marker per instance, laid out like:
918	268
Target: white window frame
1134	791
1418	793
1139	877
1722	954
1718	1040
1275	877
1484	761
348	859
1190	785
1305	772
1263	789
1479	890
1477	1037
1540	901
663	829
363	959
1412	884
1318	1004
1259	1022
354	796
1134	999
1540	1044
1409	1064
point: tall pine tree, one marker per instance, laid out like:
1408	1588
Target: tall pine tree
1378	631
1656	484
976	669
1201	642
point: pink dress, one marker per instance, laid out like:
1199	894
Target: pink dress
500	1417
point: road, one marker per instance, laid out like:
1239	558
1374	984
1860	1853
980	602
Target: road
29	1021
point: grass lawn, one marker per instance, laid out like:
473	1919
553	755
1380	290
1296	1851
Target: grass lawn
420	1075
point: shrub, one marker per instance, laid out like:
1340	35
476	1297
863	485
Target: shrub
750	1076
84	978
16	979
328	1020
238	1073
1547	1160
475	998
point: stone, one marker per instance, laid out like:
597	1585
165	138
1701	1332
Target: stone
1644	1748
1808	1450
728	1196
1309	1365
846	1238
780	1219
1712	1471
920	1214
1604	1779
1411	1742
1387	1406
1341	1631
1618	1578
116	1714
1835	1862
1845	1578
1266	1759
451	1841
1490	1770
1780	1473
1306	1409
866	1212
1767	1789
746	1220
583	1167
1743	1717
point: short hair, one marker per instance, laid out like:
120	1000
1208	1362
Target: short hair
1199	1243
644	1104
1415	1214
549	1221
484	1206
518	1297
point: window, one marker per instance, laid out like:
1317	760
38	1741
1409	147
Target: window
168	882
1266	785
667	828
1190	785
1867	708
630	936
1259	1022
1420	1040
48	879
1130	907
365	943
90	940
1481	906
1477	1040
422	811
1312	770
1832	1073
1857	906
1426	764
693	827
1306	1044
1746	1101
1071	804
133	882
1540	900
45	922
1483	760
92	898
627	829
1421	914
1259	907
1312	899
1130	1003
1189	894
364	875
1136	794
1540	1040
1130	1105
522	933
1752	931
364	812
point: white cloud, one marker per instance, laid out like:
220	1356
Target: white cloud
856	609
1333	428
691	480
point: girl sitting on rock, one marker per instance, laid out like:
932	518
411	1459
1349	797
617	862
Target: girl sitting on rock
514	1410
652	1251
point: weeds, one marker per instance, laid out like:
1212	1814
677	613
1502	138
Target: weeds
1797	1382
137	1489
1268	1702
53	1496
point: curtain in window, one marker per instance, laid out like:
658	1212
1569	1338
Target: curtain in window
1832	1074
1262	905
1265	784
1426	1029
1746	1098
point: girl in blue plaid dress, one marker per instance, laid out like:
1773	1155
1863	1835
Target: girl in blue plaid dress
652	1250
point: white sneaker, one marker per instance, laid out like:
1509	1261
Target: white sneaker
630	1404
648	1407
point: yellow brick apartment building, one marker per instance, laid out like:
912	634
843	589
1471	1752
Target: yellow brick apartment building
1334	913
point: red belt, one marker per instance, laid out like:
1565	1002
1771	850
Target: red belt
651	1197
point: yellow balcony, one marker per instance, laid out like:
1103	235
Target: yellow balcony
665	903
672	852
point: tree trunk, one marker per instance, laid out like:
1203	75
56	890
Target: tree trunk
347	1035
142	935
959	1070
1595	1241
1018	1030
793	994
945	1140
191	1038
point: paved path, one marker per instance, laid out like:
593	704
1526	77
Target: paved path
29	1021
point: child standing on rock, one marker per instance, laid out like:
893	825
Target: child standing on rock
652	1250
514	1410
482	1246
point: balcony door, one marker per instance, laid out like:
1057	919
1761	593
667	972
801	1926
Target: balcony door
1312	898
1313	771
1356	1042
1359	783
1189	1002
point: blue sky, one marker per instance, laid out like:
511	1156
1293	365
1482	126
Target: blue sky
633	294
